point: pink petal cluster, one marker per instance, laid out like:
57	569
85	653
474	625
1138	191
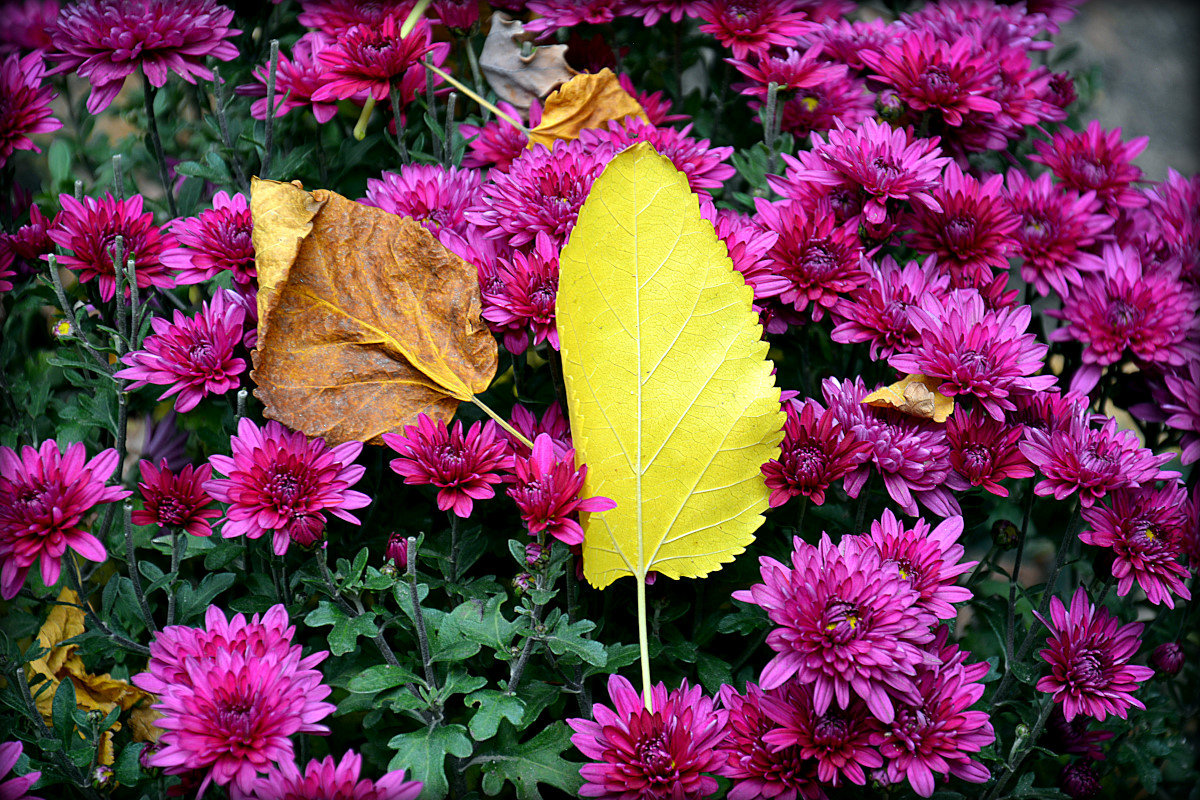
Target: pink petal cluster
815	452
1095	160
218	241
752	28
435	196
879	313
546	489
521	298
175	501
24	104
758	769
368	59
328	779
703	164
17	787
297	78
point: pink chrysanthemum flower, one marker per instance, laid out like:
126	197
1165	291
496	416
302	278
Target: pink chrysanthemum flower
879	312
105	41
232	695
911	454
820	259
984	451
882	163
1088	651
815	453
546	490
1173	207
543	190
1056	224
279	480
552	422
24	104
1095	160
15	787
1144	531
929	74
791	71
369	58
464	468
973	233
1146	309
848	625
757	769
651	11
296	79
930	560
89	229
1091	461
498	143
753	27
191	356
176	501
433	195
845	41
839	739
819	108
458	15
524	304
1180	404
703	165
29	242
26	25
332	780
336	16
554	14
44	495
976	351
218	241
748	245
939	734
1074	737
651	755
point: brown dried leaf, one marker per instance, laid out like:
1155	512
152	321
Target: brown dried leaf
585	101
367	320
915	395
515	78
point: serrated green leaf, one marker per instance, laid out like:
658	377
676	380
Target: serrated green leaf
343	637
493	707
527	764
423	755
377	678
127	767
568	637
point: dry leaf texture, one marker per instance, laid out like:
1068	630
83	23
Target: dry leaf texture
521	79
585	101
915	395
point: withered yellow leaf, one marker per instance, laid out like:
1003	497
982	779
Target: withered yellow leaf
672	403
915	395
365	320
516	76
585	101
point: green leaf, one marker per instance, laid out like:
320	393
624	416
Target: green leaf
530	763
423	755
567	637
493	706
344	636
326	613
378	678
127	768
459	682
1025	672
62	708
484	623
59	156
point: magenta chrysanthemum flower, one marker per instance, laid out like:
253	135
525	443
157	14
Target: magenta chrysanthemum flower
1146	309
458	15
16	787
336	16
815	453
973	233
175	500
44	495
845	41
1172	208
89	229
1074	737
25	25
279	480
848	625
647	754
820	259
703	165
104	41
554	14
30	242
191	356
232	695
296	79
521	299
433	195
929	74
1091	461
464	468
218	241
498	143
546	490
1088	651
753	27
911	454
791	71
883	163
984	451
756	769
552	422
839	739
1056	224
543	190
976	351
819	108
1181	405
370	58
1144	531
332	780
24	104
879	313
1095	160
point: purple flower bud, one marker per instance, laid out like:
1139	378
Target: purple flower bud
533	552
1168	659
397	550
103	777
1079	781
306	530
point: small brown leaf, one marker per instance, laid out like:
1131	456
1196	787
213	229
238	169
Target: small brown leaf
367	319
585	101
516	78
915	395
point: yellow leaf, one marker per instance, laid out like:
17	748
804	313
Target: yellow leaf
585	101
915	395
672	403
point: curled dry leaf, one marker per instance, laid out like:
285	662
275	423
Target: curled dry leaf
364	319
585	101
517	78
915	395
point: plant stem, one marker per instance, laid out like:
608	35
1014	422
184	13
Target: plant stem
69	312
164	174
118	177
135	574
418	615
223	126
501	422
177	538
457	84
73	579
401	146
453	546
975	573
384	649
1011	768
643	640
269	136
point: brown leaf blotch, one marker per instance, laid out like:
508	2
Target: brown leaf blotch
585	101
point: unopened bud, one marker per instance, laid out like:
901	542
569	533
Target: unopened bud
103	777
397	551
1168	659
307	530
1005	534
1079	781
